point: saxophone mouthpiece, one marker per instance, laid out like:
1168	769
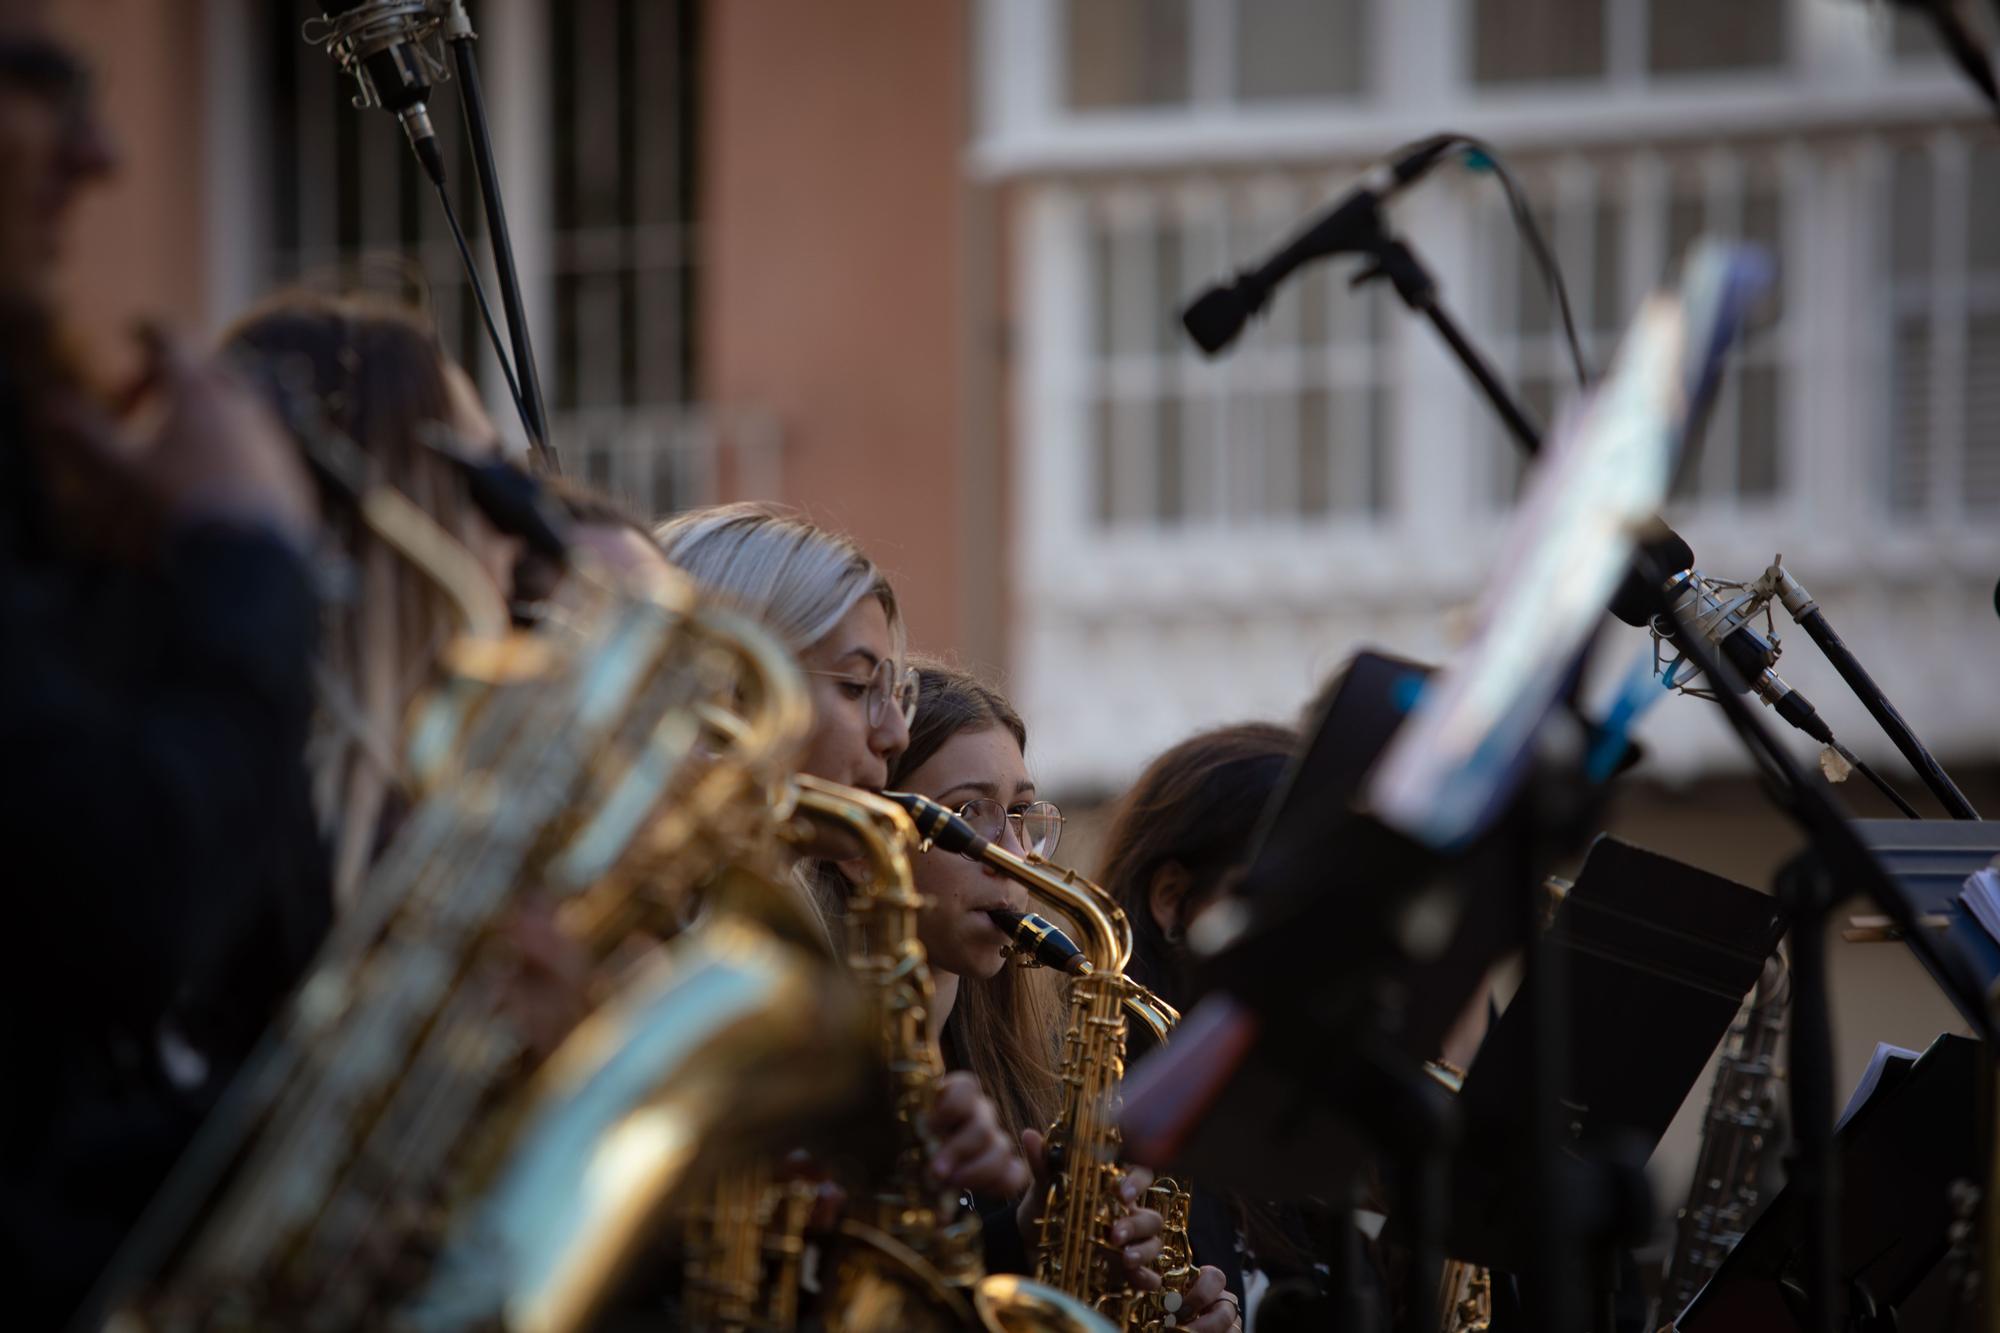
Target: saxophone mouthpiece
1042	941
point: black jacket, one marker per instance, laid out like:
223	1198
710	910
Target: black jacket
158	855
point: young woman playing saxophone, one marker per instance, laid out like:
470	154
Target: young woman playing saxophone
967	753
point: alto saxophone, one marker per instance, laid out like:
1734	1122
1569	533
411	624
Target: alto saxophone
1084	1201
392	1156
908	1256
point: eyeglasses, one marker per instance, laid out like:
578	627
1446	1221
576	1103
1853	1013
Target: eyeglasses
885	683
1037	826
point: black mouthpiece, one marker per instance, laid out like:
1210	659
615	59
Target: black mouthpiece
1217	316
516	503
1042	941
937	824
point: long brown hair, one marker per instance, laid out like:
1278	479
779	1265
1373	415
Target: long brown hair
379	377
1195	807
1003	1030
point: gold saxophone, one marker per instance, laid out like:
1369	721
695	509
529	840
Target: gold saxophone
392	1156
908	1256
1075	1253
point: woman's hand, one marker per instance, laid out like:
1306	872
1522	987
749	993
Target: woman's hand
1137	1234
1215	1309
972	1152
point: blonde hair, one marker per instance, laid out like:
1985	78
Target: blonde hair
379	376
795	576
800	580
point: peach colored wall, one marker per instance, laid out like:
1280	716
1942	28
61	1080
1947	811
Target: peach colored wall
830	245
137	245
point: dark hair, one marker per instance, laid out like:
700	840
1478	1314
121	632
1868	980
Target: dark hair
1195	806
1004	1030
950	701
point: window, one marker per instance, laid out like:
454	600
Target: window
617	364
1147	54
1943	274
1291	427
1540	41
1618	228
1520	41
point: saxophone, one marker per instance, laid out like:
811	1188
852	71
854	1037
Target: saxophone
1075	1253
1736	1131
393	1155
908	1256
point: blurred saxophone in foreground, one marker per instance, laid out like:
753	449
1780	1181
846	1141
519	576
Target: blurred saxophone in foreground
393	1156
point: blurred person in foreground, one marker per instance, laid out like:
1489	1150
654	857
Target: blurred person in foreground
158	623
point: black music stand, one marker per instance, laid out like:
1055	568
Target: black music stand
1314	929
1659	957
1899	1157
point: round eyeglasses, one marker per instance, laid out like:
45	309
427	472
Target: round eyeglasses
887	683
1037	825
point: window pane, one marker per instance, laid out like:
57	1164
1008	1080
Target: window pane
1763	225
1982	412
1103	475
1687	216
1685	36
1127	53
1315	445
1300	48
1170	463
1608	309
1518	41
1910	215
1758	431
1982	181
1910	417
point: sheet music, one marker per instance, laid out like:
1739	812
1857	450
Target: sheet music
1871	1078
1981	896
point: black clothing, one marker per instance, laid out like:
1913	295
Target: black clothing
164	883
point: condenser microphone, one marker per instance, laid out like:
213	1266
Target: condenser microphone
393	50
1725	622
1354	223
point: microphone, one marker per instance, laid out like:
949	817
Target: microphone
1724	621
1354	223
1042	942
391	48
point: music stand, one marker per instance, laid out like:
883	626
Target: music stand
1899	1157
1661	956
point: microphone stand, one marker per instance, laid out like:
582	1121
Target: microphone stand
1836	866
460	37
1807	614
